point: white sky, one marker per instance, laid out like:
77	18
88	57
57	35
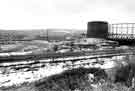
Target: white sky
31	14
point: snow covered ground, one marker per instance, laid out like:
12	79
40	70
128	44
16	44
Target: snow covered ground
20	72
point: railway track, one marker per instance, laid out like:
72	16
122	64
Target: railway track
50	55
35	64
87	56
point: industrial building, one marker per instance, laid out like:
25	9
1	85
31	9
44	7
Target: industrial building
97	29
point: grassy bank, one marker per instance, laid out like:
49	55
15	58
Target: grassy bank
73	80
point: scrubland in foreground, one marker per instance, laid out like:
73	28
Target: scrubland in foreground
80	79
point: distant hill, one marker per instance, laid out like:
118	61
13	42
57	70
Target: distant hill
38	34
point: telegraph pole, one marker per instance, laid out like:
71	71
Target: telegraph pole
47	35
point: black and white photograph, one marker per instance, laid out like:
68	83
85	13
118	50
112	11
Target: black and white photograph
67	45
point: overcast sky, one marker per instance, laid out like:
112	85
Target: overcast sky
27	14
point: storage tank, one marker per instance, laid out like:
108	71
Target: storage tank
97	29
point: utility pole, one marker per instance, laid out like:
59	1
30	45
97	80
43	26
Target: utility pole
47	35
